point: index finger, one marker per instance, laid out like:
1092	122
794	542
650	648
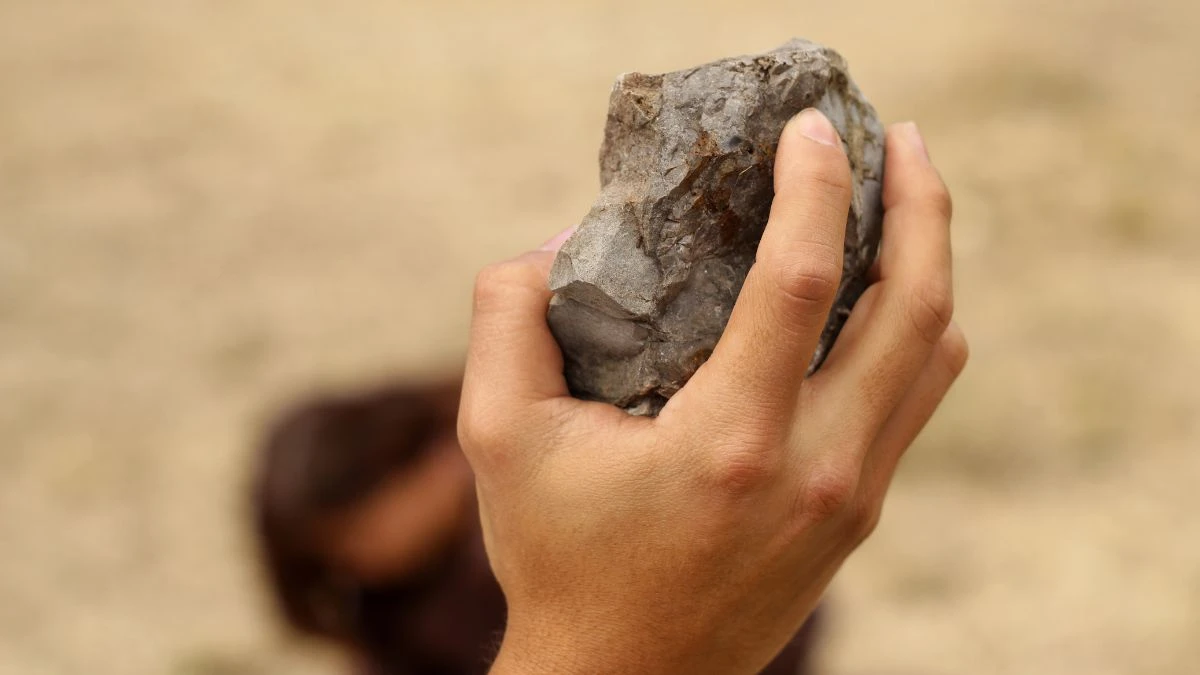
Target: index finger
777	321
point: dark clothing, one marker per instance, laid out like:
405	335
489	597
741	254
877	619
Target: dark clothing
447	621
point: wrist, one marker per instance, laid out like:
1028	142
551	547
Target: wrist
559	648
524	656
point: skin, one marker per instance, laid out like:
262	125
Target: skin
698	542
404	523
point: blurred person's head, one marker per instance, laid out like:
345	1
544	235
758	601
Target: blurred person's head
366	520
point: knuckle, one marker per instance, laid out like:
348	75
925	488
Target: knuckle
864	520
831	178
827	494
742	471
483	433
940	201
825	169
808	281
931	307
496	284
954	350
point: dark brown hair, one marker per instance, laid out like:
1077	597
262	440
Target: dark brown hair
322	456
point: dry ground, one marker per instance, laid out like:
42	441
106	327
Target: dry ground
209	207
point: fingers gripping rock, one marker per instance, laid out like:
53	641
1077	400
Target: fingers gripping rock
645	287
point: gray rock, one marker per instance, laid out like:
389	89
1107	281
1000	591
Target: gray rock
644	288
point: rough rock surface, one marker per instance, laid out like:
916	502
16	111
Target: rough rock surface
644	288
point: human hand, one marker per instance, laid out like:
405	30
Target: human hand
698	542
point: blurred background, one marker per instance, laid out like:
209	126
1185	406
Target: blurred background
211	207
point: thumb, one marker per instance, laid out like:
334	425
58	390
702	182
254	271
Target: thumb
512	360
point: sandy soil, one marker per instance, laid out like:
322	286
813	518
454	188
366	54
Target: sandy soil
210	207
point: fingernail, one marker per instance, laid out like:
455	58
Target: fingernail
912	136
559	239
816	126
